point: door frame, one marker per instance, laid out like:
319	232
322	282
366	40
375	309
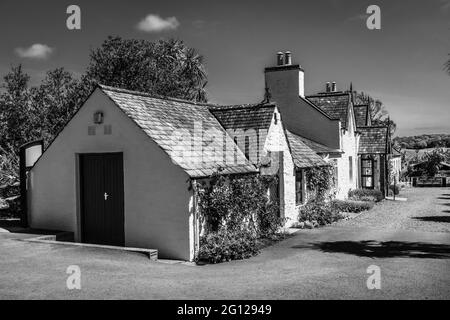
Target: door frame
79	200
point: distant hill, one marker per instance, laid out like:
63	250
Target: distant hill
415	155
424	141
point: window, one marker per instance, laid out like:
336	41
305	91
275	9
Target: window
247	147
367	173
298	187
235	149
350	166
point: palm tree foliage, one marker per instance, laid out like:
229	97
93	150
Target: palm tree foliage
165	67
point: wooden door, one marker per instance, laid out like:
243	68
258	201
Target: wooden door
102	204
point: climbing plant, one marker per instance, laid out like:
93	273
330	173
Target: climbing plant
238	202
320	181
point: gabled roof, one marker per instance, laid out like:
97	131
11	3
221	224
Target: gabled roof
318	147
335	104
255	116
373	140
249	124
361	115
162	118
303	156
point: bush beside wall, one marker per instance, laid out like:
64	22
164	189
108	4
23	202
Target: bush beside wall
236	214
318	211
226	245
365	195
351	206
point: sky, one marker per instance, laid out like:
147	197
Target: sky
401	64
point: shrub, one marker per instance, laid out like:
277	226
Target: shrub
365	194
225	245
395	189
318	211
230	204
351	205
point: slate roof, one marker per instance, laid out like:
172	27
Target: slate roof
244	116
333	104
361	115
373	140
303	156
249	124
318	147
167	121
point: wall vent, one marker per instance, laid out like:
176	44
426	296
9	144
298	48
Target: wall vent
108	129
91	131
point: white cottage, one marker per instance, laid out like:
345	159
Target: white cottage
120	172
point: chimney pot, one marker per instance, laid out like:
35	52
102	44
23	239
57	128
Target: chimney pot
327	86
288	58
333	87
280	58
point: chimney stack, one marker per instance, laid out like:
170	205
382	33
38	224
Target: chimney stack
328	87
288	58
333	87
280	58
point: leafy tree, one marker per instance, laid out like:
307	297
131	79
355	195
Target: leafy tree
54	102
16	118
165	67
433	162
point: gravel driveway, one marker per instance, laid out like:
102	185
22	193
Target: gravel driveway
427	209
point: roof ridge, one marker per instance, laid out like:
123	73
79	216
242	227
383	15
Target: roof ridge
154	96
375	127
325	94
244	106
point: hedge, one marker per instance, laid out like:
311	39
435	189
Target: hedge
365	195
226	245
351	205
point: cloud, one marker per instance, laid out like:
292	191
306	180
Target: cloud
154	23
36	51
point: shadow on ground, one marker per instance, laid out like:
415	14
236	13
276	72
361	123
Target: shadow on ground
434	218
388	249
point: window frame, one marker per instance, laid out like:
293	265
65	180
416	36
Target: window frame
364	176
299	192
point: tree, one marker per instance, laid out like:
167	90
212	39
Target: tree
16	117
433	162
54	102
166	67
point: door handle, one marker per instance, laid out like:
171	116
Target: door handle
106	196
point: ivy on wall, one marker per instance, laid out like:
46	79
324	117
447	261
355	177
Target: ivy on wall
320	181
240	202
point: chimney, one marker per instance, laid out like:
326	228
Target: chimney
285	79
333	87
328	87
280	58
288	58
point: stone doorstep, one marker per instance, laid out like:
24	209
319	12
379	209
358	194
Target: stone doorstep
51	239
396	198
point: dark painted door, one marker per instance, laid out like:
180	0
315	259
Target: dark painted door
102	206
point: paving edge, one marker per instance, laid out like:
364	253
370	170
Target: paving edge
51	239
